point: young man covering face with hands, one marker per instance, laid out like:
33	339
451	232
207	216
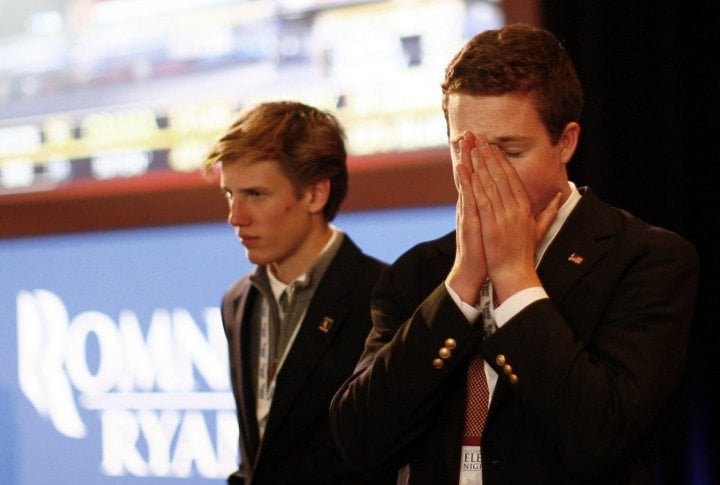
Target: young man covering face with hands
576	312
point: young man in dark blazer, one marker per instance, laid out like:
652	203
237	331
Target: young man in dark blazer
577	312
297	323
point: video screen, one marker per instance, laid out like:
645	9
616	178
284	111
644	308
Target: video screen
100	89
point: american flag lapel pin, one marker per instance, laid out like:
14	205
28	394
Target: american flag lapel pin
325	324
576	258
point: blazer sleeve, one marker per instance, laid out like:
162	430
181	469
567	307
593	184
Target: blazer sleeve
597	365
589	370
397	387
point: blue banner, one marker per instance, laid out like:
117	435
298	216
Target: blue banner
114	360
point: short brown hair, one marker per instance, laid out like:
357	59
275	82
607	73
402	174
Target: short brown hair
308	143
523	59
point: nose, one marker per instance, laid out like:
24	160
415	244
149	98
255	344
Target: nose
237	215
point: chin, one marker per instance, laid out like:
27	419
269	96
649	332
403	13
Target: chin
253	257
256	258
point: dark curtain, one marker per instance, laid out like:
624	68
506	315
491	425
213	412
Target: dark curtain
650	143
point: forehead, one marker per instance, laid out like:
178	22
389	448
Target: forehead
246	173
492	116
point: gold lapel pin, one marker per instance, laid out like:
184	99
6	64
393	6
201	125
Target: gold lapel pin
325	324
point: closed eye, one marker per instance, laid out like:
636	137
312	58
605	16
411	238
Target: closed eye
514	147
512	153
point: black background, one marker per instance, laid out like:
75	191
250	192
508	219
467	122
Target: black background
649	144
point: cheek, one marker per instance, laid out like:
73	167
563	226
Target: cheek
285	213
273	215
541	186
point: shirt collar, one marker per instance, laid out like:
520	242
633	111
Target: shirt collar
558	222
305	279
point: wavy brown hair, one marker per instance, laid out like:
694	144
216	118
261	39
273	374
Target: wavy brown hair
520	59
308	143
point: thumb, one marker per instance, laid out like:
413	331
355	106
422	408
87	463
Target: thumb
546	216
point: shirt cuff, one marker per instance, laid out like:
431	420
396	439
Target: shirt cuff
516	303
471	312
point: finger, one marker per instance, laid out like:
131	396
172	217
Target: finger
506	177
466	144
480	189
463	173
460	155
466	197
490	184
498	166
515	183
469	227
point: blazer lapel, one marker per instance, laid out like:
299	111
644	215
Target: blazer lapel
237	311
325	315
581	242
583	239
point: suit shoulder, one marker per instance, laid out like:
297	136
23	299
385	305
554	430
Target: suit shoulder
421	268
631	233
430	250
658	237
237	288
350	250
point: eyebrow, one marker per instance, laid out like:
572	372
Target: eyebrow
511	139
496	141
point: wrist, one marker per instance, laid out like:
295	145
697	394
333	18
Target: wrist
467	288
505	287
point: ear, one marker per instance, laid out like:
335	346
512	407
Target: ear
568	141
316	195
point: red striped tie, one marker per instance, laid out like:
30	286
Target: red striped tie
476	402
476	406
